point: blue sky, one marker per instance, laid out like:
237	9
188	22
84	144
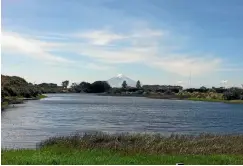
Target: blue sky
155	41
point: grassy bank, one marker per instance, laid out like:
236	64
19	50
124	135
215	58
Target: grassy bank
100	148
18	100
41	96
4	105
177	97
217	100
121	95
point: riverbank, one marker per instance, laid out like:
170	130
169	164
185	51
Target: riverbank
100	148
18	100
122	95
217	100
174	97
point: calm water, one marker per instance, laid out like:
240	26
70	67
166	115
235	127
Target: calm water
62	114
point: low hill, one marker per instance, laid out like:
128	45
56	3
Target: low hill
12	86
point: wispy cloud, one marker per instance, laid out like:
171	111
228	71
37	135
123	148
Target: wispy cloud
100	37
15	43
97	67
144	47
106	49
105	37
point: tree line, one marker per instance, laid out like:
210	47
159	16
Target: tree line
17	86
86	87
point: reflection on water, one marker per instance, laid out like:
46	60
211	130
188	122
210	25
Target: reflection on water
62	114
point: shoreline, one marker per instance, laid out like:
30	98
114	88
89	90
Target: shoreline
18	100
174	97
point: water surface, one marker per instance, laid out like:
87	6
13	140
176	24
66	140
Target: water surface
62	114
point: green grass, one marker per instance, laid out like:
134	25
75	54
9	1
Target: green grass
67	156
4	105
20	98
41	96
101	148
235	101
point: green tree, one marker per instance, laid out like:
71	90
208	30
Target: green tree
65	84
85	87
124	84
138	85
100	87
203	89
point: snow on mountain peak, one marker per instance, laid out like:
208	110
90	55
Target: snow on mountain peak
118	80
119	75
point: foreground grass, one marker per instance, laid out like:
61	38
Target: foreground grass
66	156
100	148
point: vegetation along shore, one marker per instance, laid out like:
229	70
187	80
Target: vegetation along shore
101	148
16	89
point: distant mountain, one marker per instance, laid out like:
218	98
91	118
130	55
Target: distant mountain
118	80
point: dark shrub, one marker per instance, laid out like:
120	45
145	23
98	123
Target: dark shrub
233	94
100	86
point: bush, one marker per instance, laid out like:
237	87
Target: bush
233	94
16	86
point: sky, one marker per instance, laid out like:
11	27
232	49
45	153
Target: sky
154	41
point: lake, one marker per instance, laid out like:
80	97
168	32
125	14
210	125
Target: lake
62	114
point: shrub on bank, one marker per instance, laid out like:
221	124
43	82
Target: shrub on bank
233	94
12	86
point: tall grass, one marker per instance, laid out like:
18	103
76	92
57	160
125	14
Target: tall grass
204	144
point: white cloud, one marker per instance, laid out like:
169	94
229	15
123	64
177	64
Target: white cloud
105	37
224	82
145	52
15	43
130	55
142	47
100	37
